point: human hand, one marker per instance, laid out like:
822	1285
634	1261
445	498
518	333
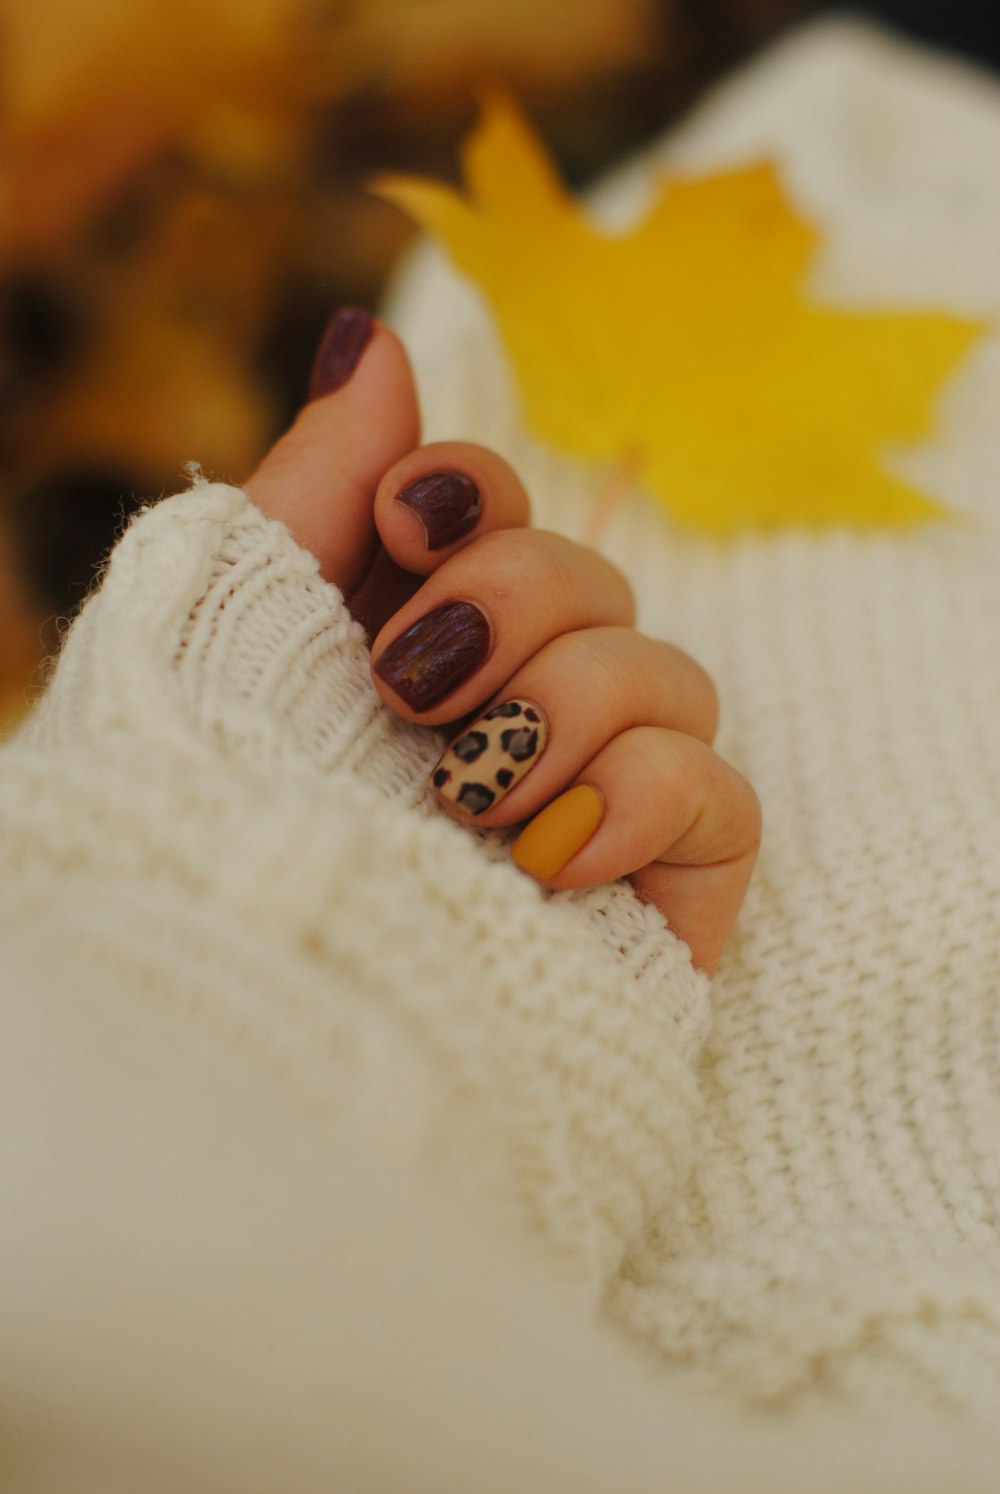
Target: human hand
519	639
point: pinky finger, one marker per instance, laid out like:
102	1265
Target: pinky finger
665	810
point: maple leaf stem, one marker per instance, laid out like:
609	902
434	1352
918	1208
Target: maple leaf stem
612	495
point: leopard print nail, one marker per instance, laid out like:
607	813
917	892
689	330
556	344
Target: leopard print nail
492	755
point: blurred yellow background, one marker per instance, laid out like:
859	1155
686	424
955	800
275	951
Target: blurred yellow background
184	206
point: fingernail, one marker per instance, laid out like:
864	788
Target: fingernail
436	654
492	755
554	836
447	504
339	353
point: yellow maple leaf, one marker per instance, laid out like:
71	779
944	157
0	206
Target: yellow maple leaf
687	345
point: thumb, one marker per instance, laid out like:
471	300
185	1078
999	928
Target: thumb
320	477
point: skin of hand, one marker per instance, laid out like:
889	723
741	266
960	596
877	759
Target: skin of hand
469	609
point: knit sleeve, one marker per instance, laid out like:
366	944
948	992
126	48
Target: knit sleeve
213	626
216	799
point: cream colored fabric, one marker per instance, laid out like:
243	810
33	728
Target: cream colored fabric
336	1154
840	1228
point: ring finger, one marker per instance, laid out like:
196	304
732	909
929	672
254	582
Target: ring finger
558	711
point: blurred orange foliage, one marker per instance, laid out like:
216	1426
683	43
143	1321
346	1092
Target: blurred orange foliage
181	203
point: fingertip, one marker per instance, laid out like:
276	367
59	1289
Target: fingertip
555	835
361	369
347	334
446	504
321	477
443	496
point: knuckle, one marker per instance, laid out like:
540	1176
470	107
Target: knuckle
580	568
612	668
542	563
530	561
510	559
703	696
566	580
749	817
755	812
710	703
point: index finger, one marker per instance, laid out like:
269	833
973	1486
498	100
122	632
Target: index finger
442	497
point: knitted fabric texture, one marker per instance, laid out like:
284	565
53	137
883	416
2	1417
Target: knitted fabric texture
840	1229
245	692
220	853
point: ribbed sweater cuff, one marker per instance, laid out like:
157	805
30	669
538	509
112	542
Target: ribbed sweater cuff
214	632
213	625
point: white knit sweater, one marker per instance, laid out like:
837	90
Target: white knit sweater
338	1155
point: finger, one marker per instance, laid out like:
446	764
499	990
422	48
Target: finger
484	611
666	810
557	713
321	477
438	499
442	497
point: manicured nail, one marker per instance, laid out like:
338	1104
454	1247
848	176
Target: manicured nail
554	836
339	353
436	654
447	504
492	755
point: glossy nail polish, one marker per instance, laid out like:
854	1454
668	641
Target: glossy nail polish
448	505
436	654
492	755
339	353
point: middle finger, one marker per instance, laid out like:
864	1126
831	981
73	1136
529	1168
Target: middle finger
558	714
485	611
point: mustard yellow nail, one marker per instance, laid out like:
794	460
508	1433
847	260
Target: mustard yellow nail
555	835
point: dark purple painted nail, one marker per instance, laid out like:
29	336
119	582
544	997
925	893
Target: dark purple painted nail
339	353
435	654
447	504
